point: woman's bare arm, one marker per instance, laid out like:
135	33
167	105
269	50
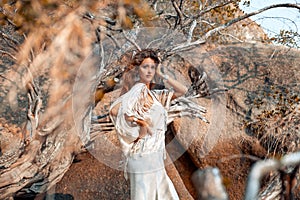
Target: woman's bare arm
179	88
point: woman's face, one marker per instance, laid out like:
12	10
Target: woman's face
147	70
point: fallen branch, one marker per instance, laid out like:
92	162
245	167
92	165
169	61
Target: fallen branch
262	168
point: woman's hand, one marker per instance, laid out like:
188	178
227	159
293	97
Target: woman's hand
158	70
144	130
144	125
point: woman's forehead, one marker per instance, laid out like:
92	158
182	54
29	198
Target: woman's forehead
148	61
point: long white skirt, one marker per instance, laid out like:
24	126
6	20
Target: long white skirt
148	178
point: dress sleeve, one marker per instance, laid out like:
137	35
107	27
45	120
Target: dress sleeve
133	103
138	102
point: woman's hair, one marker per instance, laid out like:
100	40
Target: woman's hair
131	71
142	55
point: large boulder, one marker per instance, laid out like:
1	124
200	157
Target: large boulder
251	74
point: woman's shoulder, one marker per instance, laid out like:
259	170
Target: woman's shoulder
139	85
137	88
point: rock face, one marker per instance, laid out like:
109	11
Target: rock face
248	72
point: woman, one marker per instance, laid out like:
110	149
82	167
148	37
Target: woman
140	118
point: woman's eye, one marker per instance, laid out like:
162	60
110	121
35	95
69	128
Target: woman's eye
148	66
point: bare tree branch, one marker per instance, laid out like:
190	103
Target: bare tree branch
261	168
179	19
131	41
190	35
287	5
8	38
9	54
232	36
231	22
187	45
280	18
206	10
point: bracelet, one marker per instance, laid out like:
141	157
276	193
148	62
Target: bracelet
166	77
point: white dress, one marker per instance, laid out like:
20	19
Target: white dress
145	157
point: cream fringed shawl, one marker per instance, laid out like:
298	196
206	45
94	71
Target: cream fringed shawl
136	102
